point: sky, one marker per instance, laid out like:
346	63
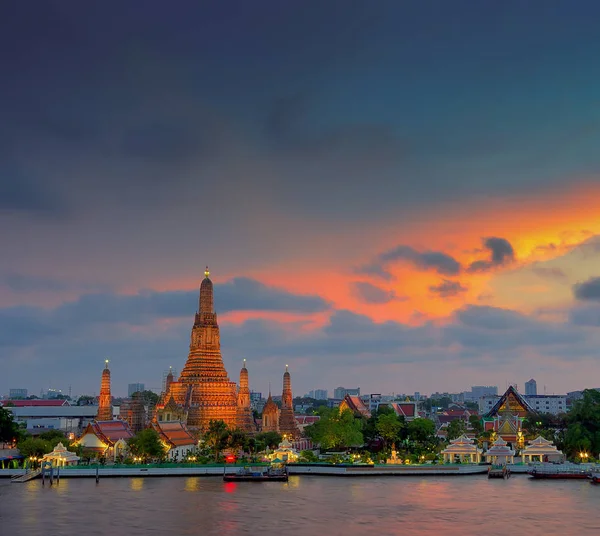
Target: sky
398	196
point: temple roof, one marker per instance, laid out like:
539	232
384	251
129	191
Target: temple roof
174	433
355	404
270	406
541	446
406	409
461	445
109	431
511	401
35	402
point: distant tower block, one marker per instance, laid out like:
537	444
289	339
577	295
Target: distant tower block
105	400
287	422
245	420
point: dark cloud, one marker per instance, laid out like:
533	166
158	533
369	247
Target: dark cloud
588	290
487	317
442	263
585	316
501	253
146	307
448	288
369	293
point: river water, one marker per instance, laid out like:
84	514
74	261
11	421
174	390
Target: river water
304	506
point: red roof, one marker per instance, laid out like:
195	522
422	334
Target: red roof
39	403
407	409
174	433
111	431
355	404
307	419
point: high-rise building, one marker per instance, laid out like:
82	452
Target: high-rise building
318	394
340	392
105	412
531	388
203	388
477	391
15	394
135	388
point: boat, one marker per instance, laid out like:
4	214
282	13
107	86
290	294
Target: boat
498	471
594	477
564	471
249	474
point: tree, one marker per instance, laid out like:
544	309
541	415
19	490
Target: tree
336	429
455	429
421	430
9	429
85	400
583	425
370	431
146	444
238	439
267	440
475	424
34	447
389	426
217	436
149	398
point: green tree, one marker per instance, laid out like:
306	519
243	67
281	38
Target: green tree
370	432
267	440
9	429
475	424
421	431
336	429
149	398
582	432
85	400
238	440
34	447
389	426
147	445
455	429
217	436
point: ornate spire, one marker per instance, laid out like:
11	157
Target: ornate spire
105	398
206	303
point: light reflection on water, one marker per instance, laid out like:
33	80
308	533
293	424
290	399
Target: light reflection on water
303	506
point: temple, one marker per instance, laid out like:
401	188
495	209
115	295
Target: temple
287	421
270	416
245	420
507	416
105	412
203	391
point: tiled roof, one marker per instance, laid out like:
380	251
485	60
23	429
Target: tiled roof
112	430
174	433
407	409
355	404
307	419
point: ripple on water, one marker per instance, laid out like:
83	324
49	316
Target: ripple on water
304	506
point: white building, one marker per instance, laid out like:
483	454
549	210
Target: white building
553	404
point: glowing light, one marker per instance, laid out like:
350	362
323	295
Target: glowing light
206	272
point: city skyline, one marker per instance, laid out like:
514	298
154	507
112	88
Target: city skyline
406	203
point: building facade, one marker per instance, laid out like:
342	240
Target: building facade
135	388
531	388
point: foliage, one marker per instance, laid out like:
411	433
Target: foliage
370	431
475	424
33	446
238	440
148	398
217	436
9	429
443	402
85	400
267	439
146	444
53	436
308	456
455	429
336	429
389	426
421	430
583	425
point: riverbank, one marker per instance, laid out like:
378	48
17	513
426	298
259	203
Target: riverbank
293	469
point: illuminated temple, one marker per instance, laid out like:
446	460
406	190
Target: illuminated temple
203	391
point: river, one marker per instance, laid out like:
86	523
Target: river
304	506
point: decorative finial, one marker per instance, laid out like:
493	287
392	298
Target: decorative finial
106	363
206	272
286	368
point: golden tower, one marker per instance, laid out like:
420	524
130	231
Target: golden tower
287	422
245	421
105	400
203	388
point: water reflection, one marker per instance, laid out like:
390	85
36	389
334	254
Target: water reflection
333	506
137	484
